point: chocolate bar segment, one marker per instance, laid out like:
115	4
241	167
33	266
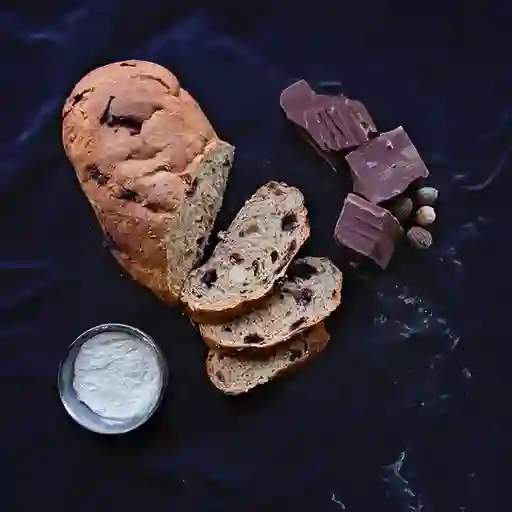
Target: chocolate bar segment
367	229
295	99
331	124
384	167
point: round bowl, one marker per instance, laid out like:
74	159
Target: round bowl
79	411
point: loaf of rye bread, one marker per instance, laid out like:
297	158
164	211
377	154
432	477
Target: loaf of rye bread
151	166
310	293
236	374
250	257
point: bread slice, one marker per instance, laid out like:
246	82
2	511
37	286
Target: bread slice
252	254
236	374
311	292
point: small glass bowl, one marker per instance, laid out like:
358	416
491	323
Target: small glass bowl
82	414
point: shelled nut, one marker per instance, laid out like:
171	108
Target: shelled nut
425	215
402	208
427	195
419	237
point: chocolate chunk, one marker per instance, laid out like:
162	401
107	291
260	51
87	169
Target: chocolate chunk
301	270
304	297
273	256
320	126
331	124
97	175
288	221
334	125
368	229
254	339
295	354
295	100
192	189
363	121
386	166
209	277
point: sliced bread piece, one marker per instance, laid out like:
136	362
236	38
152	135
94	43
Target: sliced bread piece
236	374
311	292
252	254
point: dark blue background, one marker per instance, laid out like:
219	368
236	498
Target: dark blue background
418	365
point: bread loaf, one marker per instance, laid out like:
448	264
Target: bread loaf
254	252
151	166
311	292
236	374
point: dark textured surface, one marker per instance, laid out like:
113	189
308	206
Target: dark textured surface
417	371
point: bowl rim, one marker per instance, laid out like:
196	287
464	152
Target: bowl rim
89	334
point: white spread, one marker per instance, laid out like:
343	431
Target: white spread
117	375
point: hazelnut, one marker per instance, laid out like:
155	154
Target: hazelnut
402	208
425	215
427	195
419	237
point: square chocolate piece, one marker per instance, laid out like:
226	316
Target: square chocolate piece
367	229
384	167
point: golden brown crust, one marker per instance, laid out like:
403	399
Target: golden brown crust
135	139
219	317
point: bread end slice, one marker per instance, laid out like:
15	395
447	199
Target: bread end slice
238	374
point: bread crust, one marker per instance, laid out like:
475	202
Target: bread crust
221	316
316	339
137	141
